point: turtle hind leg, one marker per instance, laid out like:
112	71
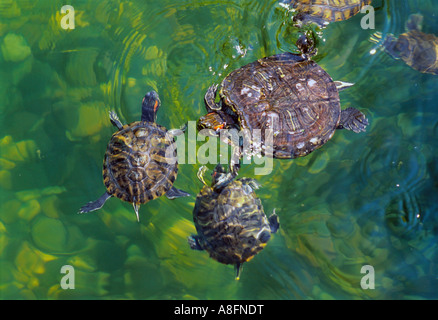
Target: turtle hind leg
174	193
115	120
274	222
303	18
95	205
194	243
353	119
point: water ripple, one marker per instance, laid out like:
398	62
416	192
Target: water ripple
403	215
392	166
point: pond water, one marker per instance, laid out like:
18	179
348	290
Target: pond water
365	199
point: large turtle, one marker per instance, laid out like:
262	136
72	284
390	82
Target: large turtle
287	93
325	11
140	162
229	218
416	48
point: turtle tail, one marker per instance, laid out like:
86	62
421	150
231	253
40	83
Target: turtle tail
238	269
136	207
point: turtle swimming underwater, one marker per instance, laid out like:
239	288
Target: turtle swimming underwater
140	162
325	11
287	93
416	48
229	218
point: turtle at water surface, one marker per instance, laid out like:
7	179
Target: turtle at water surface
325	11
140	161
229	218
416	48
287	93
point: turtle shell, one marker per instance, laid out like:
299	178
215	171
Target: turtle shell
140	162
292	96
231	224
417	49
323	11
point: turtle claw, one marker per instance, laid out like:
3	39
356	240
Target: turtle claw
95	205
90	206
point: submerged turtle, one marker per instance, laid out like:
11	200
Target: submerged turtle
140	160
417	49
229	218
287	93
325	11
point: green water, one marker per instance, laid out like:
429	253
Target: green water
362	199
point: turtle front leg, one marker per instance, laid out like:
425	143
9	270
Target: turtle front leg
180	131
200	174
353	119
210	97
235	160
115	120
95	205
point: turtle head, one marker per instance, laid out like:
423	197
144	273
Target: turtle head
215	121
219	170
415	22
221	178
150	105
306	43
